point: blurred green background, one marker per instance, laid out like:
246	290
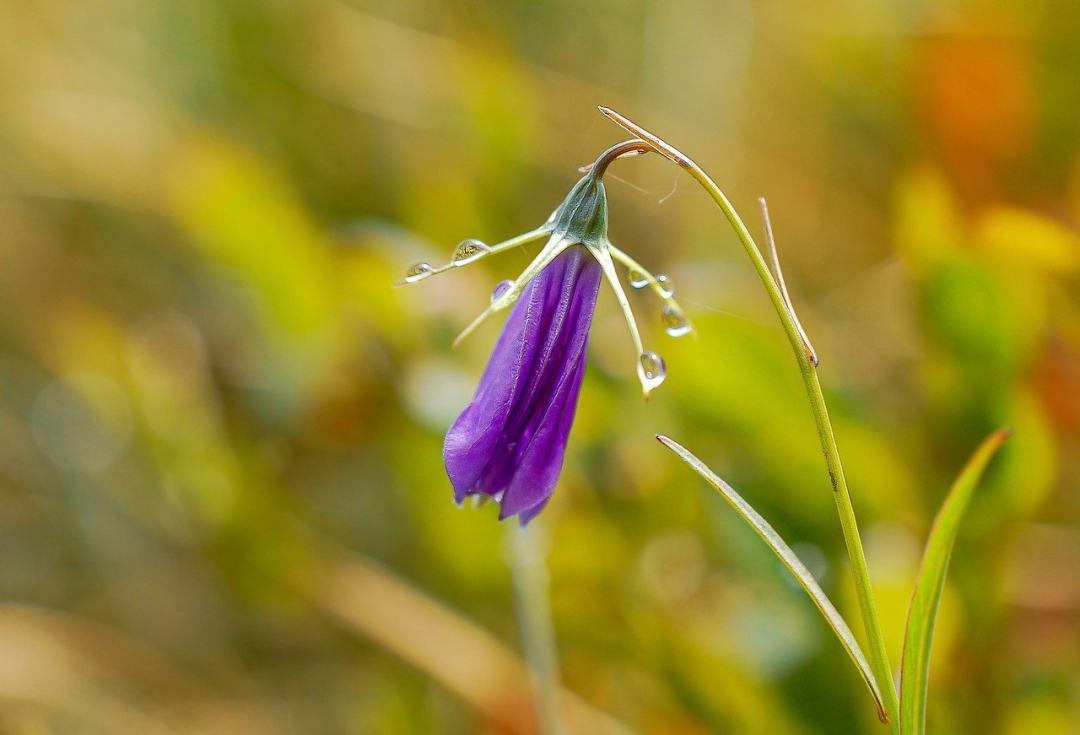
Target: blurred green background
222	501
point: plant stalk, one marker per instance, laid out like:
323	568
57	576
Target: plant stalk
529	571
879	660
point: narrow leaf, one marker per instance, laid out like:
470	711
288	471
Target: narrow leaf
790	560
922	614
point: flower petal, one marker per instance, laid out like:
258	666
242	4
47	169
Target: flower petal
509	442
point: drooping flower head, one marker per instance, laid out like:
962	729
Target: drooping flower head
509	442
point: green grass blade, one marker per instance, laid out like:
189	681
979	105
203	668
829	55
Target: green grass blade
922	614
790	560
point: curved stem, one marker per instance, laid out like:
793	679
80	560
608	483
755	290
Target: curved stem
879	659
626	148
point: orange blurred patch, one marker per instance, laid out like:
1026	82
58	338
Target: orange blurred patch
1058	381
975	98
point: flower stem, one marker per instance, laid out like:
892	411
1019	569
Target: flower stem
626	148
529	571
879	660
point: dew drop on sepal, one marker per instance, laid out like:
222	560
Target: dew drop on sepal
500	288
418	272
667	288
469	250
651	370
675	322
638	279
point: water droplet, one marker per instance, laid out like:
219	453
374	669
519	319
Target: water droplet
638	279
675	322
651	370
469	250
500	288
418	272
667	288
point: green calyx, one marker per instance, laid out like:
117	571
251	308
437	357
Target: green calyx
582	217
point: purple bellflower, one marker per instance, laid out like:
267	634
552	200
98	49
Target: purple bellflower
509	442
